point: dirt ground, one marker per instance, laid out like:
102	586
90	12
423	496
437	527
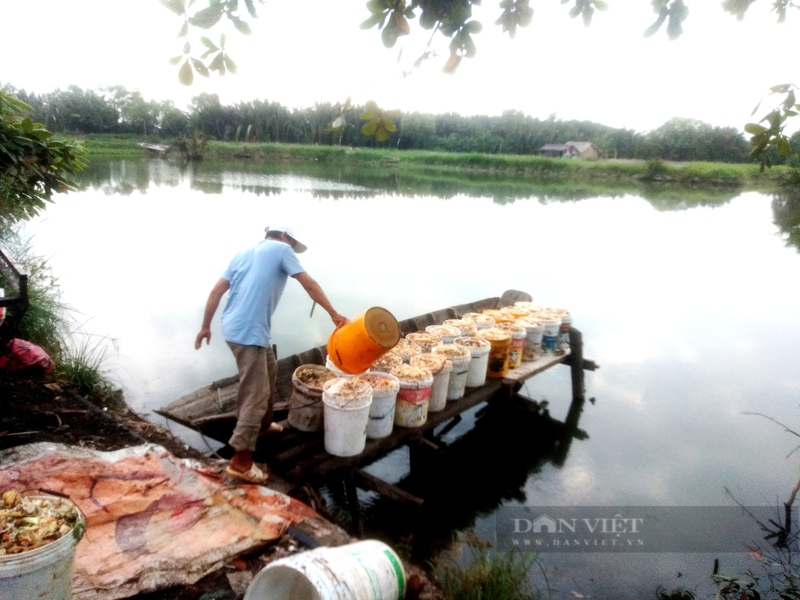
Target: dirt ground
38	408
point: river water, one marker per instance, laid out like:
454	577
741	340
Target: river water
687	300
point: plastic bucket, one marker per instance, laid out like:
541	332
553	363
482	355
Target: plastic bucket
563	331
449	334
381	411
464	326
439	388
411	409
425	340
517	348
305	404
550	335
44	573
476	373
385	363
458	377
353	347
481	320
532	349
346	418
368	570
497	365
339	373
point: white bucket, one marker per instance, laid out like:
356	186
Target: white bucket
476	373
368	570
385	363
449	334
458	377
550	335
563	331
381	411
345	420
338	372
441	381
413	398
44	573
532	349
305	405
425	340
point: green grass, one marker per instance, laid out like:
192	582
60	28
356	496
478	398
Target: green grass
488	575
527	167
78	357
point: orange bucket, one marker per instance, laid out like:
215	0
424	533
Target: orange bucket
355	346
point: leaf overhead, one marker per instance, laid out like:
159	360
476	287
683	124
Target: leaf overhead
175	6
185	74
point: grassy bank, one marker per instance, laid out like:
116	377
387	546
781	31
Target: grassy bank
526	167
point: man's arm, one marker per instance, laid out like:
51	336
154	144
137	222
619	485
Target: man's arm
212	303
317	295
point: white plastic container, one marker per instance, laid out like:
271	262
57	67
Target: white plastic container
385	363
338	372
465	327
550	335
368	570
381	411
305	403
458	376
449	334
441	379
411	409
532	349
563	331
479	352
44	573
424	340
346	416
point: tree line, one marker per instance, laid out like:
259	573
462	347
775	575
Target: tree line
116	110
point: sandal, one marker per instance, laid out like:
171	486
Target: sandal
254	475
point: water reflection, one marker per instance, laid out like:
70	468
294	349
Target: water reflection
786	212
323	181
472	474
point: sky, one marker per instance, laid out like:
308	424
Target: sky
307	51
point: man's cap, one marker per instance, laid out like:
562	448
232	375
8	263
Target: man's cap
299	247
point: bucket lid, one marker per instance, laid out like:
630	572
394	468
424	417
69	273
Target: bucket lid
382	327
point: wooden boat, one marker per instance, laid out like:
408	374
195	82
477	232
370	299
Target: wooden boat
210	410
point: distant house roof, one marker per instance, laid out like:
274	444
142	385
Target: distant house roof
580	146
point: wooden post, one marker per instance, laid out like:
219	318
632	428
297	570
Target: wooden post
353	503
576	352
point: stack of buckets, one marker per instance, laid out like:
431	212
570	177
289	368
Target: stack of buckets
352	349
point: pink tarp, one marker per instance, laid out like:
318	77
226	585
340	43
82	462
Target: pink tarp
153	520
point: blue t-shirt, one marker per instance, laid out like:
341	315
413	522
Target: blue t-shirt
257	277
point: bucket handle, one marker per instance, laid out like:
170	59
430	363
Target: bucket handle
380	418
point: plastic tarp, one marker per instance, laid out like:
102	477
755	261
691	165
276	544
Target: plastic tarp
153	520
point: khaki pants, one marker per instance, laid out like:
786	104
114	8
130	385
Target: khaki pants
258	371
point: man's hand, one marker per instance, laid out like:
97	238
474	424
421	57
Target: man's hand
205	333
339	320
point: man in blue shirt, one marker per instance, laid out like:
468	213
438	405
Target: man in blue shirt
256	278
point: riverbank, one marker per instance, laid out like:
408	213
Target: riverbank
716	175
39	408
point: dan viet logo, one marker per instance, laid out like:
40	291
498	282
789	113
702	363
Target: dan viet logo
630	528
544	524
577	533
